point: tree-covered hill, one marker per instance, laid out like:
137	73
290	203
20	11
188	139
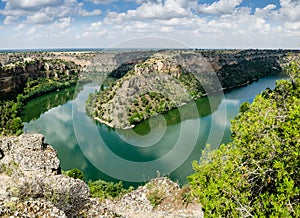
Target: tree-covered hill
148	86
257	174
153	87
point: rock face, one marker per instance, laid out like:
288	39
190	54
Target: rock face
170	79
159	198
14	76
152	87
31	183
31	186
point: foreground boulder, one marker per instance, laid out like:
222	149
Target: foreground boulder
31	183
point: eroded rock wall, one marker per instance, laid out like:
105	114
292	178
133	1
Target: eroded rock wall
31	183
14	76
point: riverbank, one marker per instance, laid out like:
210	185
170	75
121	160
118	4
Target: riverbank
169	79
26	78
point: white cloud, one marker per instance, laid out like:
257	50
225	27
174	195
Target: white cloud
223	23
43	11
219	7
63	23
33	29
89	13
293	26
151	10
95	29
230	25
97	2
9	19
39	18
166	29
289	11
266	11
20	26
96	25
31	4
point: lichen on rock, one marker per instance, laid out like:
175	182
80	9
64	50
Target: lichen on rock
30	175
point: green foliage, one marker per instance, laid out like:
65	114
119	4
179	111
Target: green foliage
215	182
257	174
102	189
192	85
148	105
75	173
244	107
47	81
10	122
186	195
156	196
41	86
9	168
293	70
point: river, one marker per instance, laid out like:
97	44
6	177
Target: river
164	145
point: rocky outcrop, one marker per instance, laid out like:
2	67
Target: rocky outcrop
13	76
31	182
161	197
152	87
172	78
32	186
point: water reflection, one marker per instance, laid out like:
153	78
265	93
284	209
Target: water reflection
34	108
82	144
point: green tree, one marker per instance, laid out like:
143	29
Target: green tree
257	174
244	107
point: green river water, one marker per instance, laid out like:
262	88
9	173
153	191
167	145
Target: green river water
164	145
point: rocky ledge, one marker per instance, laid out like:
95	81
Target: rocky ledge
32	186
31	183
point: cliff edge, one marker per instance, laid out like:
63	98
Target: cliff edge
32	186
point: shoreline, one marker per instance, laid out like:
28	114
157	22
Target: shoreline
226	89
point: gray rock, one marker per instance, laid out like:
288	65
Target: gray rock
32	186
30	169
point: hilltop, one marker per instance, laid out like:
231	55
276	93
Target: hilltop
169	79
152	87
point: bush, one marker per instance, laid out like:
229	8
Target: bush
156	196
75	173
102	189
257	174
10	121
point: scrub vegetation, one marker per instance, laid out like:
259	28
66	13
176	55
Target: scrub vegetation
257	174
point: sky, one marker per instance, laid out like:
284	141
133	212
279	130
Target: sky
149	23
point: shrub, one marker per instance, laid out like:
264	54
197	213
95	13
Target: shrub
156	196
257	174
102	189
75	173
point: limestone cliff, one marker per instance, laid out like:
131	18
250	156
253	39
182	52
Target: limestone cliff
13	76
31	186
169	79
31	182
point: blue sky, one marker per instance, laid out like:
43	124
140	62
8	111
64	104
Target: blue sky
149	23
